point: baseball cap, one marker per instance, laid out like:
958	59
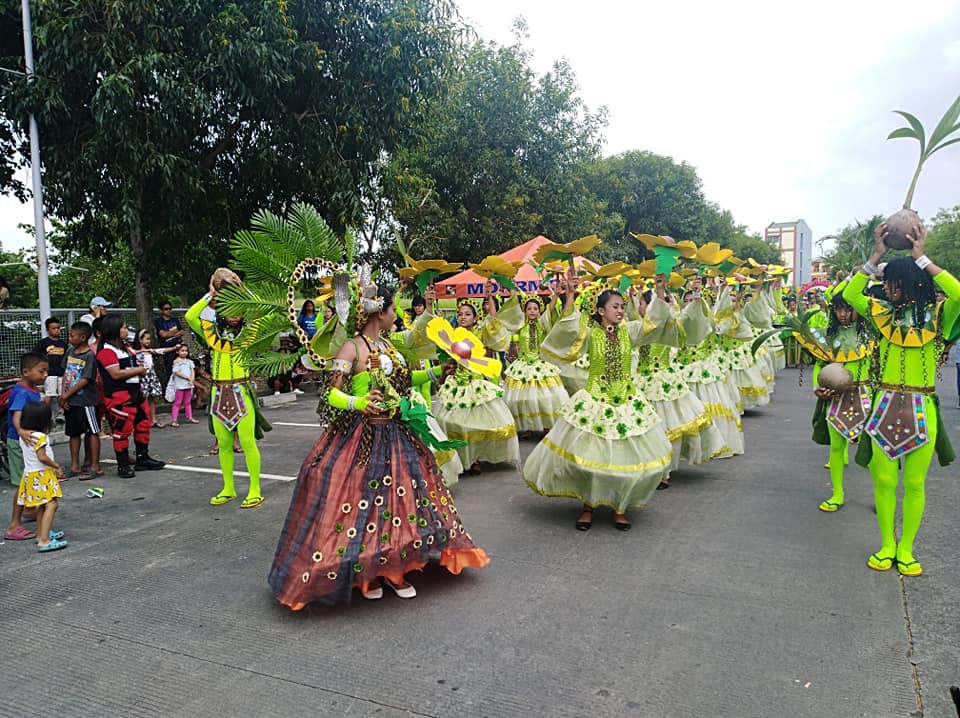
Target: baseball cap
100	302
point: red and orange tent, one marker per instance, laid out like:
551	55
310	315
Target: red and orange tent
470	284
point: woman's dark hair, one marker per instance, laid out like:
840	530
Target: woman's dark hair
532	300
418	301
110	329
303	309
647	297
385	292
916	288
36	416
605	296
469	306
838	302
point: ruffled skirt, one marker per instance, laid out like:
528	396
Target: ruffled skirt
691	430
476	413
720	407
350	523
534	394
614	461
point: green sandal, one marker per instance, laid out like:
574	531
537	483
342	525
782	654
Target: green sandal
251	502
830	506
221	499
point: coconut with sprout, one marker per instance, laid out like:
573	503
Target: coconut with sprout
902	222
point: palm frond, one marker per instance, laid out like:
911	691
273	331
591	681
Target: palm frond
254	256
315	239
280	232
264	334
270	363
235	301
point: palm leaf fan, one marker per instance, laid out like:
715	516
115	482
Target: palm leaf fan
799	325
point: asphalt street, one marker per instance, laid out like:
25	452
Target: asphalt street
732	596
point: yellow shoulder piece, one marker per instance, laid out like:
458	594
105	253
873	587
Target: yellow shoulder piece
901	336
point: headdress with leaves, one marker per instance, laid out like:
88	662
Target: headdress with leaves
274	256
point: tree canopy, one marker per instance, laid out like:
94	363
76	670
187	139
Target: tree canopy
165	124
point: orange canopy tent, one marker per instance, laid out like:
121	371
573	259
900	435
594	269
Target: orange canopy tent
470	284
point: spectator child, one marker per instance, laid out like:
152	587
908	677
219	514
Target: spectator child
183	378
39	485
79	403
55	349
150	383
33	372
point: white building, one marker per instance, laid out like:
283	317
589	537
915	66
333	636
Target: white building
795	241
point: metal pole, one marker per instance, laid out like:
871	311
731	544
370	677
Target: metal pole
43	277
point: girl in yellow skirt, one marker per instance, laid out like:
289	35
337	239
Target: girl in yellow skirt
534	392
40	485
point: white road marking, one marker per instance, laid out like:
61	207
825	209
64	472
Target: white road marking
205	470
293	423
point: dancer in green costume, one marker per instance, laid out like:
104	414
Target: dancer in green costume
232	403
905	425
839	418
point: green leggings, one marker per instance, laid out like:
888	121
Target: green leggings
248	442
885	473
839	456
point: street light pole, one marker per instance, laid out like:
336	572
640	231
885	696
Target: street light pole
43	275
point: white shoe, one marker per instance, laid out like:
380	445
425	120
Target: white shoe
407	591
276	393
374	593
297	391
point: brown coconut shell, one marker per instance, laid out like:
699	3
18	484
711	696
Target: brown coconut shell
223	276
899	224
835	376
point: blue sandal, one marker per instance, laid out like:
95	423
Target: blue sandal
54	545
56	535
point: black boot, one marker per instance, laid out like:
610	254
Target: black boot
145	462
124	470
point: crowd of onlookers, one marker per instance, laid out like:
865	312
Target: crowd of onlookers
99	382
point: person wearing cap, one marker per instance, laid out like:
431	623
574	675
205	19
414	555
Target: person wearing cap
98	308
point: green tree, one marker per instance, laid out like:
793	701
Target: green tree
18	271
165	124
502	159
753	245
652	194
943	240
853	246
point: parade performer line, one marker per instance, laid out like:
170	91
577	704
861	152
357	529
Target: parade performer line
204	470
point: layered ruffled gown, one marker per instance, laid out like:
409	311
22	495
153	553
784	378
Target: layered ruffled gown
534	390
369	502
610	448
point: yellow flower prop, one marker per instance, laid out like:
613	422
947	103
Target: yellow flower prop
566	252
711	254
423	272
495	265
463	347
613	269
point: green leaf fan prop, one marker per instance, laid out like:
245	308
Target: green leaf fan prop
279	257
800	326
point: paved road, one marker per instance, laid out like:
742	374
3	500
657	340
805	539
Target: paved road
732	596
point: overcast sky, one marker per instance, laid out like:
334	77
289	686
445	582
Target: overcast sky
783	108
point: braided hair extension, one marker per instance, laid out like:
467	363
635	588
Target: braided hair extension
916	288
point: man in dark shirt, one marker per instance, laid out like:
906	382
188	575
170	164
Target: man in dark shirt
169	333
54	349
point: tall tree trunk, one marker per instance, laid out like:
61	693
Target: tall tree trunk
141	278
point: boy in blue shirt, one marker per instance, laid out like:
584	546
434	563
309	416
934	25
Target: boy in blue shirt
33	373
